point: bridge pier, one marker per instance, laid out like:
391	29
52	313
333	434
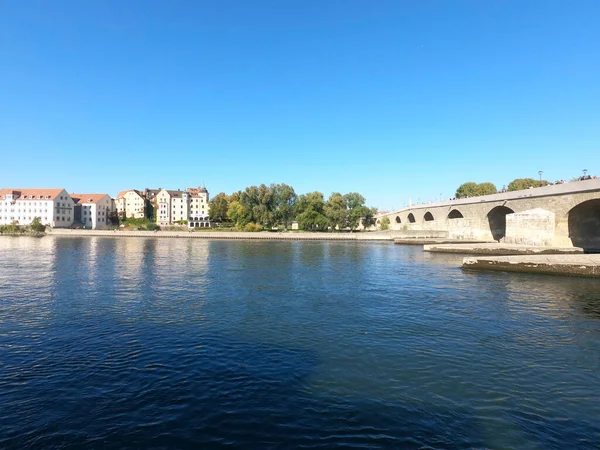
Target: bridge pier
563	215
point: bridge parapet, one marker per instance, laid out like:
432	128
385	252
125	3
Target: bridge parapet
575	208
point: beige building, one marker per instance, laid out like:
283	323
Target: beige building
93	210
131	203
190	205
198	210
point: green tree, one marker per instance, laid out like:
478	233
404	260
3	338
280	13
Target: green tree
239	214
249	200
149	209
113	218
486	188
471	189
354	200
356	209
385	223
284	201
263	210
336	211
310	212
37	225
468	189
218	207
369	218
519	184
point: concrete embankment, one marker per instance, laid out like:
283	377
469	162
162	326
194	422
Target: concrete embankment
501	249
429	241
566	265
287	236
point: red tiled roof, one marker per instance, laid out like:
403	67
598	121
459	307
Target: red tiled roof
87	198
31	194
122	193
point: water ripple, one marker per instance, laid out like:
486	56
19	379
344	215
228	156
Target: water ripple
145	343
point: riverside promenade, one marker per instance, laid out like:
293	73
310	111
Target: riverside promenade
263	235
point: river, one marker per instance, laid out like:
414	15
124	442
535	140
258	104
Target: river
149	343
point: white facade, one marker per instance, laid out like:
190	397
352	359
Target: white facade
54	207
95	210
180	204
163	207
172	206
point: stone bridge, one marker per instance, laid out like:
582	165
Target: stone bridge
561	215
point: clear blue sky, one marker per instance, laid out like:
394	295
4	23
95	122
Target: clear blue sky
393	99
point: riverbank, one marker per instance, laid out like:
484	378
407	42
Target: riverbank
24	233
263	235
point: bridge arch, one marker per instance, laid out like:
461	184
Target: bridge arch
428	217
411	218
455	214
584	225
497	221
398	219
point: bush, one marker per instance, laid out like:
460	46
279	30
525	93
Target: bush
253	227
37	225
385	223
141	224
11	229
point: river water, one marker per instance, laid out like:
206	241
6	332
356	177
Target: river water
186	343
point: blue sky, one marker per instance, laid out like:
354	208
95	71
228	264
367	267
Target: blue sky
393	99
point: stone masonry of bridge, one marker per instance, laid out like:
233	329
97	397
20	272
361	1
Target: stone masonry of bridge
562	215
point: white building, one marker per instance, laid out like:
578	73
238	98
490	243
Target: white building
172	206
54	207
93	210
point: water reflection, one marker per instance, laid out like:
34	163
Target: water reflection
337	344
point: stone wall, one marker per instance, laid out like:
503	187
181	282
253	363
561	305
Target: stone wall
484	217
533	227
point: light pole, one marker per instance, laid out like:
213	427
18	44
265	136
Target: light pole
541	172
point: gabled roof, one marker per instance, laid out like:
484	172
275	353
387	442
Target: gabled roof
32	194
197	190
87	198
151	192
122	193
175	194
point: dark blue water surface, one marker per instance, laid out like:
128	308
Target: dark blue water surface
150	343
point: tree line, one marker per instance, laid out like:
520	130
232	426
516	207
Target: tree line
278	205
472	189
